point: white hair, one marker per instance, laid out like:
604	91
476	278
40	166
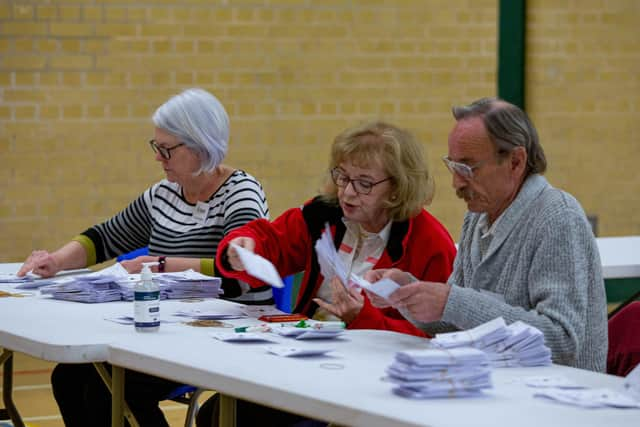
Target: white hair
198	120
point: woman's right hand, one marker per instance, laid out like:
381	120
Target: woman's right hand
41	263
232	255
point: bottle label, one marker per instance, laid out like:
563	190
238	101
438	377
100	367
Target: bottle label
147	309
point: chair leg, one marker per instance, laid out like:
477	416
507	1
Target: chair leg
192	411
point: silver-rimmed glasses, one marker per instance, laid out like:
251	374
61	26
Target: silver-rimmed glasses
462	169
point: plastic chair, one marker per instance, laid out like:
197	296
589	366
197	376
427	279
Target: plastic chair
188	395
624	340
133	254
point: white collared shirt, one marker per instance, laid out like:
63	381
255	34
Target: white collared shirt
359	250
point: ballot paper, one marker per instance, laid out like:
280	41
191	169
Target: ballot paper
286	351
632	383
330	263
590	398
517	344
214	310
259	267
383	287
308	333
439	372
332	266
557	381
242	337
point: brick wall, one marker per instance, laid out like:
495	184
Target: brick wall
80	79
583	91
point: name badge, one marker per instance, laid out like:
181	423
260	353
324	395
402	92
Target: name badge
200	212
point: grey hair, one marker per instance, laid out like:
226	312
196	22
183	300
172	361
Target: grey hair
508	127
198	120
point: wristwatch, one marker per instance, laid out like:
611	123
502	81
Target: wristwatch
162	261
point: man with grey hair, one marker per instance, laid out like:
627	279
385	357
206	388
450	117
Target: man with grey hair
526	252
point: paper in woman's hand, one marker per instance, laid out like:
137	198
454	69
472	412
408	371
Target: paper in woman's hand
259	267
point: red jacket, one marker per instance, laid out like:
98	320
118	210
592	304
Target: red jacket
420	246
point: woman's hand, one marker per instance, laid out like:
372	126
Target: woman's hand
41	263
232	255
398	276
346	304
135	265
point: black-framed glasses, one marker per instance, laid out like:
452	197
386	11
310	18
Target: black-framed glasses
462	169
360	186
165	152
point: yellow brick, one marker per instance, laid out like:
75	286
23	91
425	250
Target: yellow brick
47	45
162	46
184	46
92	13
71	62
24	45
22	11
113	13
49	112
69	13
23	95
72	111
115	30
5	112
24	112
5	11
184	78
70	46
23	62
66	29
49	78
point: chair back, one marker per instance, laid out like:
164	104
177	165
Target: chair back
624	340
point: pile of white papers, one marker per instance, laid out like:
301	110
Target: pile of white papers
85	291
178	285
430	373
518	344
115	283
629	397
214	310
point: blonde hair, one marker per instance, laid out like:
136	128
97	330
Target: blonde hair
400	155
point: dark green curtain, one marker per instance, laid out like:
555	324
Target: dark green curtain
511	50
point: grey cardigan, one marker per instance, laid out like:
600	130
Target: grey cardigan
542	267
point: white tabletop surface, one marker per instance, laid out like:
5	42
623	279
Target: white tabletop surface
346	388
620	256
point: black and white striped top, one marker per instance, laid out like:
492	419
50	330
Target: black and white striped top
164	221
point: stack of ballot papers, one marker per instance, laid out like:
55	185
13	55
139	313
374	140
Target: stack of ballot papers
517	344
431	373
86	290
115	283
179	285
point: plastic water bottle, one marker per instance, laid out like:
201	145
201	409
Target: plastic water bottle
146	301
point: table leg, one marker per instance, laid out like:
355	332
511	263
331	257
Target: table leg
6	360
115	384
227	411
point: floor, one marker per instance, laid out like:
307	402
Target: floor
34	399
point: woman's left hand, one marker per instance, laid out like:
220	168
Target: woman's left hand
135	265
346	303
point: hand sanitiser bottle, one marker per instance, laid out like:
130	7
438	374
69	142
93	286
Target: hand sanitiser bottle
146	301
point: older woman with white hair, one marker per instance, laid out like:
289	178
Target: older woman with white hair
181	219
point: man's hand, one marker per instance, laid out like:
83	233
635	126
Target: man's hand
424	301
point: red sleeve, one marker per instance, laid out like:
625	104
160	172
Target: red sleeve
373	318
285	242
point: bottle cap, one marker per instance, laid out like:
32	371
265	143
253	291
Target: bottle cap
146	270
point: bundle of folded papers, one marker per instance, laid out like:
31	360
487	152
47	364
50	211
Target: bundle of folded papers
115	284
517	344
433	372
